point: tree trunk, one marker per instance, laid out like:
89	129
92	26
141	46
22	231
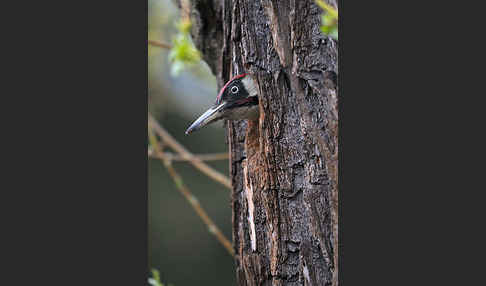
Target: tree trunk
284	165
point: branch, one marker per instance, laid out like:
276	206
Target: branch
328	8
159	44
202	157
213	229
195	161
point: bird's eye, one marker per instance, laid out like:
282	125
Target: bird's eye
234	89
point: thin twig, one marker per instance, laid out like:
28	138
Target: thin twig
331	10
159	44
213	229
195	161
186	10
202	157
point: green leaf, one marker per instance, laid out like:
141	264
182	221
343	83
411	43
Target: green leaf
155	281
329	20
325	29
183	52
184	26
334	33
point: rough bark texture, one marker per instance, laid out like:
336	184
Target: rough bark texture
283	166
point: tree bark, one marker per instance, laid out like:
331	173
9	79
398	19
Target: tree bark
284	165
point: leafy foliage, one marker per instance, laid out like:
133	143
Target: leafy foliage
183	52
155	280
329	19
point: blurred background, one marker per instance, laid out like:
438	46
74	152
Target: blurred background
180	245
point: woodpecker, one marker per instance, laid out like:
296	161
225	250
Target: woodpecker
238	99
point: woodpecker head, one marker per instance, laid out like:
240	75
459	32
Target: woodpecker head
238	99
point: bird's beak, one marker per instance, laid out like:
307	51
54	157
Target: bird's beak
209	116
